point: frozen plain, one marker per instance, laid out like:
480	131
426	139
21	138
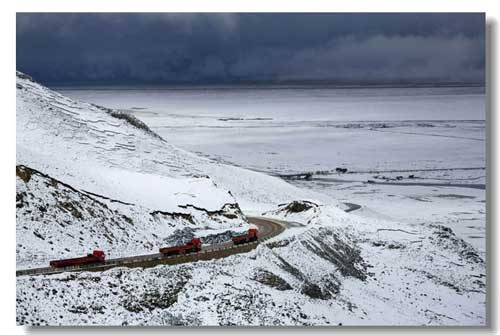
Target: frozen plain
435	135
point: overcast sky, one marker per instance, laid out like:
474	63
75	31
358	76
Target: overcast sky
233	48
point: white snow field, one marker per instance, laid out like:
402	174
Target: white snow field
435	135
90	177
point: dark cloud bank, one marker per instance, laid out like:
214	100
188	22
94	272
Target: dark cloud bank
249	48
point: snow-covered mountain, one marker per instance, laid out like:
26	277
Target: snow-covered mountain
91	177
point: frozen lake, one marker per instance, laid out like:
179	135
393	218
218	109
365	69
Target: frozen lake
428	141
293	130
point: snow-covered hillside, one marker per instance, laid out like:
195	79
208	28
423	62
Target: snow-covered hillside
89	177
124	189
332	269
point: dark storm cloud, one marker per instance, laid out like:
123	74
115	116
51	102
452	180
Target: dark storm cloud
202	48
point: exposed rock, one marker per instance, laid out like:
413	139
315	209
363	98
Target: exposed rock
24	76
446	238
280	243
157	297
297	206
24	172
272	280
128	117
344	254
314	291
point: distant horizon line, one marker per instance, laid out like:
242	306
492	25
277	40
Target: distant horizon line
129	85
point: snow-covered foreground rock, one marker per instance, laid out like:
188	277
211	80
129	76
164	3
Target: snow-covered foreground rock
333	269
88	177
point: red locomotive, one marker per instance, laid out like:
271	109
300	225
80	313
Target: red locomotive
192	246
250	236
97	256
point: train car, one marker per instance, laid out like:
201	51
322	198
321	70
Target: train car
192	246
250	236
97	256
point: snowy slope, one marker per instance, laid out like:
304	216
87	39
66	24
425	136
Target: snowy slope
85	181
114	163
84	145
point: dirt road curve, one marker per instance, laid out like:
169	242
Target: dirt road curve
267	229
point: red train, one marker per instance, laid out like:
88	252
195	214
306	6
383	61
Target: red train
250	236
192	246
97	256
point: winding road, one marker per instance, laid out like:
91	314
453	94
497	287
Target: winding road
268	228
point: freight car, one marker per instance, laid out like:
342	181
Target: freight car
97	256
192	246
250	236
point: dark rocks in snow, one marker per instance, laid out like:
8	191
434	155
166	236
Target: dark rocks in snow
182	236
24	76
297	206
446	238
218	238
179	236
132	120
20	202
388	245
156	297
313	291
328	245
324	290
174	215
272	280
129	118
71	207
298	176
24	172
344	254
442	282
330	284
37	234
280	243
290	269
230	211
